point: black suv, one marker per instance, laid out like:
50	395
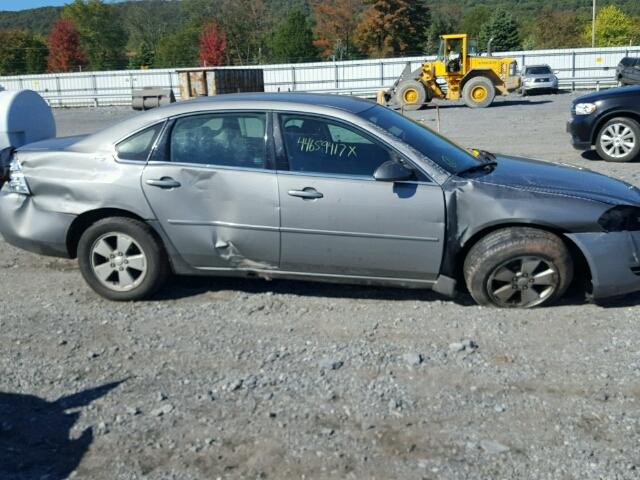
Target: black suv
628	71
610	120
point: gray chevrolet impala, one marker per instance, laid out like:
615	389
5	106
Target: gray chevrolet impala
316	187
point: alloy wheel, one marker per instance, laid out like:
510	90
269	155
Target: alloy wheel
118	261
524	281
618	140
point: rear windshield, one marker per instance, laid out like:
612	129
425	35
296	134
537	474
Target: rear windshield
437	148
538	70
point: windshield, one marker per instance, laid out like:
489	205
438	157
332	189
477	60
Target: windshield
538	70
445	153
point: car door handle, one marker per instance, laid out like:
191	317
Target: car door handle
307	193
164	182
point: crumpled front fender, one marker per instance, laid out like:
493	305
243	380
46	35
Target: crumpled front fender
614	261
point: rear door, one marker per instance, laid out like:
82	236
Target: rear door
336	219
211	187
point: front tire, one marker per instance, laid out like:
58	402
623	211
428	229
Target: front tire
619	140
518	268
122	259
411	95
479	92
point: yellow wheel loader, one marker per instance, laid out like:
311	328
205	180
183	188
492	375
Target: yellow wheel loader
458	72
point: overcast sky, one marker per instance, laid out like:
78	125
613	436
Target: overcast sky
25	4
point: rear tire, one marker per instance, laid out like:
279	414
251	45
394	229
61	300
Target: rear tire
122	259
619	140
479	92
518	267
411	95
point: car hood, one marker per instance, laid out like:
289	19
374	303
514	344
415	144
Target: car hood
633	91
551	178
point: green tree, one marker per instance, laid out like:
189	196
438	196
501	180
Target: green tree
36	54
180	49
21	52
101	34
557	29
613	28
441	25
392	27
147	22
293	40
143	58
474	19
504	31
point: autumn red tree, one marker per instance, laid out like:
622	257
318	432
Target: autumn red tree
65	54
336	22
392	27
213	43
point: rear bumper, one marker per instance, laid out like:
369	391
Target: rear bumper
613	258
25	226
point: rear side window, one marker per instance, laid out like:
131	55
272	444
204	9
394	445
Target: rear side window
138	146
318	145
226	139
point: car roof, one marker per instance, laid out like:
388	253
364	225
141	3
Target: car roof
304	102
538	65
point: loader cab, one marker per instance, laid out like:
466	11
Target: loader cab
452	54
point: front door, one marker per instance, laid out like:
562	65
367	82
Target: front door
212	191
337	219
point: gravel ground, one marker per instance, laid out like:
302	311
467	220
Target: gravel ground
228	378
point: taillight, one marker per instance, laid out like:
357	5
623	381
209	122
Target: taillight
17	183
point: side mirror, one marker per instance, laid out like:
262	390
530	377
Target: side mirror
393	171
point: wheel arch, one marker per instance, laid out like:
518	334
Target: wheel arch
599	123
581	266
86	219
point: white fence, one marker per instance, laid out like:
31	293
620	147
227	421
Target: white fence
577	68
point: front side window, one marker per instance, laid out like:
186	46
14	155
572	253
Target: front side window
225	139
138	146
318	145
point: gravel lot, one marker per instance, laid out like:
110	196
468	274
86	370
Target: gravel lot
252	379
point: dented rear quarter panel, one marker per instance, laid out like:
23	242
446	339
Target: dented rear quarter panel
73	183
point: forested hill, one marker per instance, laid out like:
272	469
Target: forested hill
40	20
111	35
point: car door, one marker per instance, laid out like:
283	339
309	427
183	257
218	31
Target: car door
210	185
336	219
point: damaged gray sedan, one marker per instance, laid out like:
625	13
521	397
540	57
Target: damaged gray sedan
316	187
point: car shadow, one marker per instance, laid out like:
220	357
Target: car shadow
591	155
35	438
190	286
498	103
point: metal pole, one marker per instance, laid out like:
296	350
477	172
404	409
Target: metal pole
293	78
573	70
593	25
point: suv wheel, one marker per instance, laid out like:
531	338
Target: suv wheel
518	268
619	140
121	259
